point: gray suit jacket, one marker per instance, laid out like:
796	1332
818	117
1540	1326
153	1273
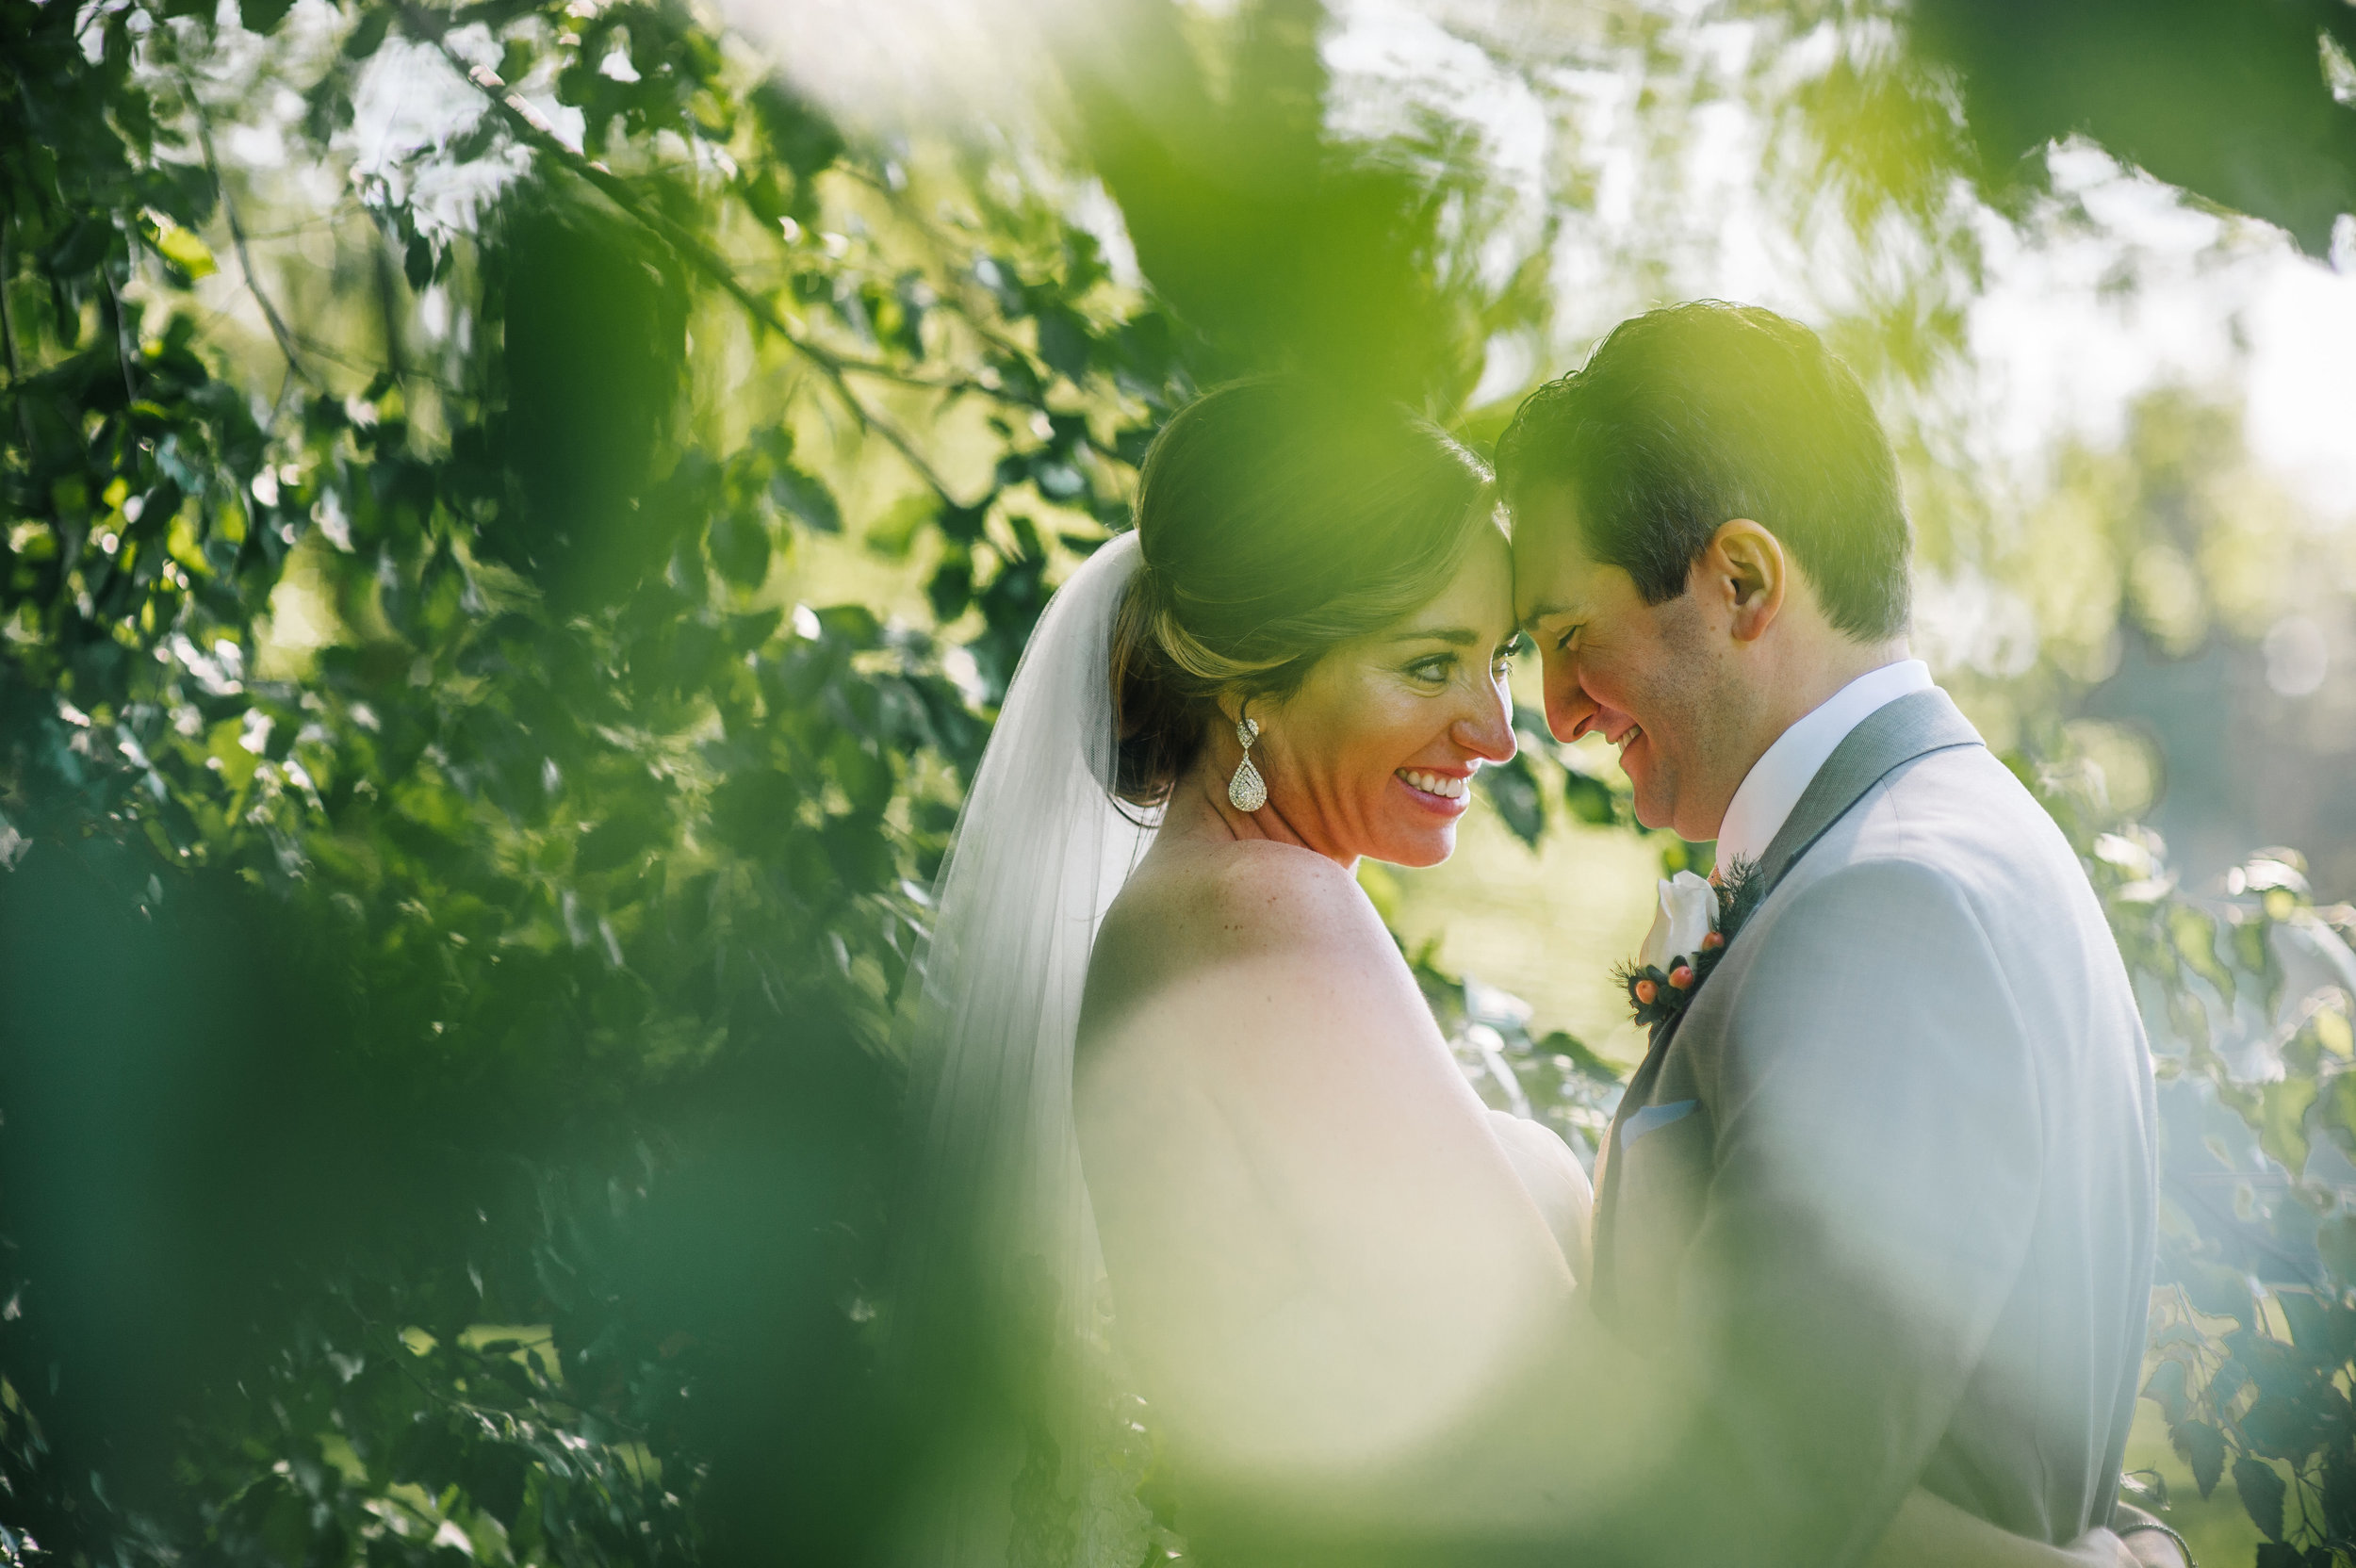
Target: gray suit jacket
1887	1186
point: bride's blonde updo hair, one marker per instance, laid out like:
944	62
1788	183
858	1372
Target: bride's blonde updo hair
1275	523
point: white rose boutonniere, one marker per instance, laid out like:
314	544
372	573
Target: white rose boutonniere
1687	912
1691	928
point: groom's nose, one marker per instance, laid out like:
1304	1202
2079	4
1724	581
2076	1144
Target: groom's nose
1568	706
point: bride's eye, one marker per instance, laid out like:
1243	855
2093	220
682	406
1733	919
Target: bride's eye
1434	669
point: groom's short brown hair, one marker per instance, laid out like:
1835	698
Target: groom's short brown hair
1693	415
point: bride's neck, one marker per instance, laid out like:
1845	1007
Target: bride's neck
1201	812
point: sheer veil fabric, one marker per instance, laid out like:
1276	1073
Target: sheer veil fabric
1001	1305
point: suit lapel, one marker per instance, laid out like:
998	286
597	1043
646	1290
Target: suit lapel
1892	735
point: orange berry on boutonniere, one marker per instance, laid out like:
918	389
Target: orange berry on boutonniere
1681	977
1647	991
1712	943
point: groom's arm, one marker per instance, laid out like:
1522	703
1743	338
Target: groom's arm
1875	1175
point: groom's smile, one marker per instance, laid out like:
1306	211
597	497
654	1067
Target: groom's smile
1615	666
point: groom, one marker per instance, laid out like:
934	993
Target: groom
1885	1186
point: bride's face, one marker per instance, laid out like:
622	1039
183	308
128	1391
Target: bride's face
1375	754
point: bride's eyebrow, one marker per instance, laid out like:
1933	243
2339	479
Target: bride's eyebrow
1459	636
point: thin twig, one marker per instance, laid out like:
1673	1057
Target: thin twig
534	129
237	238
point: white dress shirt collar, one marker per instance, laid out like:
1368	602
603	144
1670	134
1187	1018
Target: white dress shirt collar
1782	773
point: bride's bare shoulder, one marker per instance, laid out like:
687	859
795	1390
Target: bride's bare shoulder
1204	905
1212	900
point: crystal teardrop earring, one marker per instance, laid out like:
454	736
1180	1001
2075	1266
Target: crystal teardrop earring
1247	791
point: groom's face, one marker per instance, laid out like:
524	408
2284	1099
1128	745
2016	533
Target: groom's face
1641	676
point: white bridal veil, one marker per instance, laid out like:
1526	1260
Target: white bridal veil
998	1233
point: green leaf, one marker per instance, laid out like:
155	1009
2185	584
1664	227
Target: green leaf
616	841
738	546
2193	931
753	810
2286	1423
865	777
2203	1447
1589	798
2335	1238
951	588
368	34
2261	1490
852	624
1064	342
2167	1389
1513	789
189	255
806	496
2309	1321
893	535
2282	1125
858	853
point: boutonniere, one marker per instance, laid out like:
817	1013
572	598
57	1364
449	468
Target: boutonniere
1694	920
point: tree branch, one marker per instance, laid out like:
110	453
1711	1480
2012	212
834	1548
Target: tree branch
957	303
534	129
237	238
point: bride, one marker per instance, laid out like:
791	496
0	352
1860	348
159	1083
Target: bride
1191	1132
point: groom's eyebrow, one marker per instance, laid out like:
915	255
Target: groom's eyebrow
1542	613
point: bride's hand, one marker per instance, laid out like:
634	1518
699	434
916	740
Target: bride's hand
2100	1548
1931	1532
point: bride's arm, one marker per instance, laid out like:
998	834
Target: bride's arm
1556	1182
1931	1532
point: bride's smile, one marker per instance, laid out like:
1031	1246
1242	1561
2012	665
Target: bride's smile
1443	791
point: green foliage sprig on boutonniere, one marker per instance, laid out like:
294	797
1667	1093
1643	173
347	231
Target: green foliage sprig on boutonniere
1658	991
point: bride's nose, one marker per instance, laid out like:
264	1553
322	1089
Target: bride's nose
1487	732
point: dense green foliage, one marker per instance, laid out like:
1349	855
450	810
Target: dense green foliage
2254	1318
521	955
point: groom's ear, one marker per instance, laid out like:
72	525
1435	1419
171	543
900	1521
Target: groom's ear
1746	574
